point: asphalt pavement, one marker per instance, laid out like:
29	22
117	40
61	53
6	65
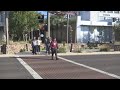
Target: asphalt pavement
100	65
10	68
60	69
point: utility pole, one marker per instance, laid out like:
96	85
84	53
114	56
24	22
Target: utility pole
71	38
6	20
67	26
48	23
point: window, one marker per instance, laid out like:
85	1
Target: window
0	18
101	18
118	19
110	11
104	18
108	18
116	11
78	12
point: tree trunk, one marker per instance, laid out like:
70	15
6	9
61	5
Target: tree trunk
29	34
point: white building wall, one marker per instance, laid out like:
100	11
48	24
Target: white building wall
91	21
94	15
78	29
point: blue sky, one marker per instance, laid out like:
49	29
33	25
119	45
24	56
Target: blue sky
44	13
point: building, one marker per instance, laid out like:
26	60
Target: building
2	26
96	26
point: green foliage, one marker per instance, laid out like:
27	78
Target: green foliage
22	50
104	48
64	43
43	48
62	50
91	45
79	50
96	48
21	22
57	21
2	42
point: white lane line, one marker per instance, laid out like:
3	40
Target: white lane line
103	72
30	70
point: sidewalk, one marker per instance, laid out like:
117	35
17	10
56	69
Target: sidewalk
28	53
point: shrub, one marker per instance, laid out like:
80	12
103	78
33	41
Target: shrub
92	45
62	50
104	48
79	50
42	48
30	41
22	50
96	48
64	43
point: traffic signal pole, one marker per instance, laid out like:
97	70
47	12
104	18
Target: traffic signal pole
67	26
48	23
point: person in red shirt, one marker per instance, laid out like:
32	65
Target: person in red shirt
54	47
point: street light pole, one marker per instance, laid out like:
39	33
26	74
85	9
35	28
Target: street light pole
67	26
48	18
113	34
71	38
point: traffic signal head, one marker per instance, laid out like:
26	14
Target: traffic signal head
41	19
42	16
114	19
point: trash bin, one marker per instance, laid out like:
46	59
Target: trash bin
4	49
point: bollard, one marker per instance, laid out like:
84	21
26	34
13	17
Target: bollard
71	47
27	47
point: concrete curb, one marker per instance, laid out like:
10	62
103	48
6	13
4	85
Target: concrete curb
59	54
92	53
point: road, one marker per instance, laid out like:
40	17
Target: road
10	68
67	67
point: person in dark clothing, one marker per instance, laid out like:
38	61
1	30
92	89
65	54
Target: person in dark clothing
34	43
54	47
47	44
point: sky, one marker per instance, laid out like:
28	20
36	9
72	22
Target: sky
44	13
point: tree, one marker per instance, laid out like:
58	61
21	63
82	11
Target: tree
58	27
21	22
